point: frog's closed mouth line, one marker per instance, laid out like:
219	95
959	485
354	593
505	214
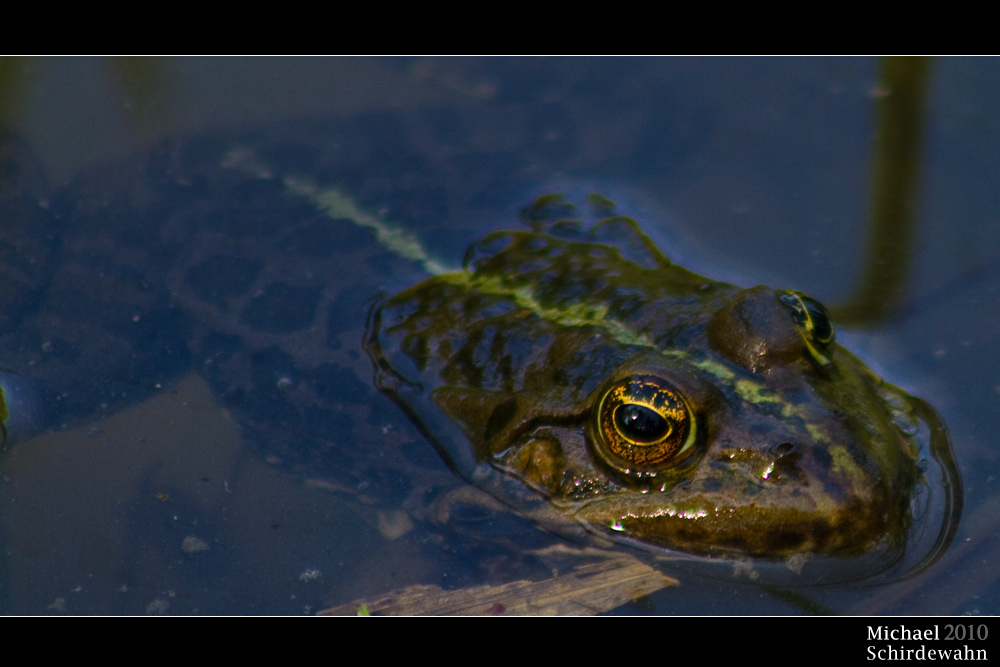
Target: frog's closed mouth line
660	407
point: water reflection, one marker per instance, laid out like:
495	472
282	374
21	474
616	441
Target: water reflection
895	180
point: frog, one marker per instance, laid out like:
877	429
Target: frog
574	371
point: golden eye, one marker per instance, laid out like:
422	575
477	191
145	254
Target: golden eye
812	321
643	421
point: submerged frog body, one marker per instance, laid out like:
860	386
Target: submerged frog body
650	404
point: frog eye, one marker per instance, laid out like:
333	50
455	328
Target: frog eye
643	421
812	321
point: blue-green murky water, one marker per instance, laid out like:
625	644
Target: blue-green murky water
752	170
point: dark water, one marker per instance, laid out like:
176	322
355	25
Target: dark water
175	493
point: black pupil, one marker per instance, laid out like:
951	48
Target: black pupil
640	424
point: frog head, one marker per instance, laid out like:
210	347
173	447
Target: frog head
650	404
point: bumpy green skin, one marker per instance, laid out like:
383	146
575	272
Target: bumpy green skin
792	455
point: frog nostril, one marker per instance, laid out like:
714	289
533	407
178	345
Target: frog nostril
784	448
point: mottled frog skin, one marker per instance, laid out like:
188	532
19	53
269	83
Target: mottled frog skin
648	403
